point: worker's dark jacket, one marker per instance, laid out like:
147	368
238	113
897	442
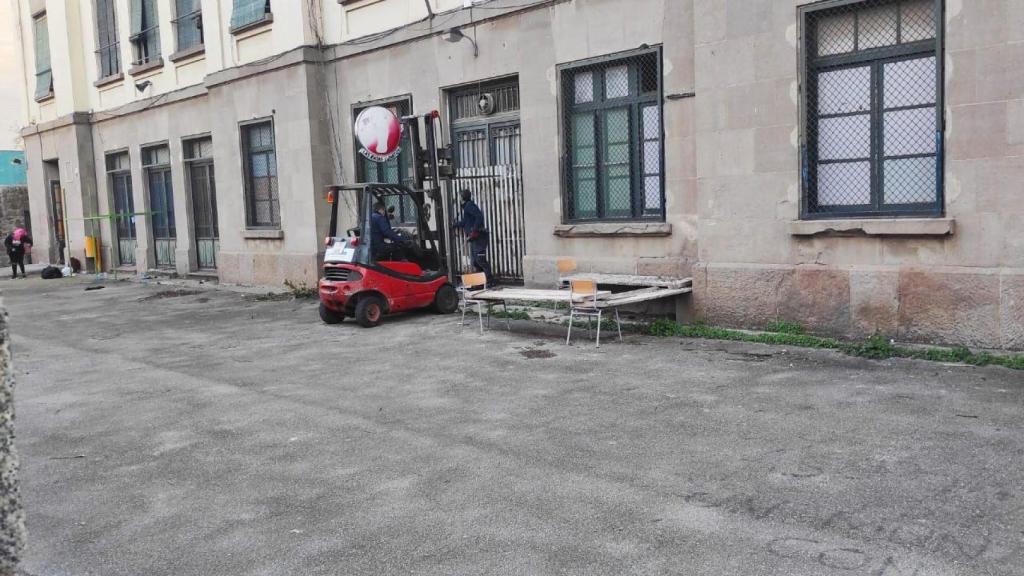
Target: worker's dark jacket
14	249
380	228
472	220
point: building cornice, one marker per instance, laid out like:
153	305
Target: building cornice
293	57
457	18
408	33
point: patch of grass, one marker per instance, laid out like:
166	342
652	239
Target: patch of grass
300	289
783	327
877	347
511	314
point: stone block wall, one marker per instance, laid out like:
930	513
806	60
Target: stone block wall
13	210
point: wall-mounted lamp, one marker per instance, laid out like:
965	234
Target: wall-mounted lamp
141	86
455	35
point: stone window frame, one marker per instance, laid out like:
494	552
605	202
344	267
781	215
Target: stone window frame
248	153
601	104
152	162
808	65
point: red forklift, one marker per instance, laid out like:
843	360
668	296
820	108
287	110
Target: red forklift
366	282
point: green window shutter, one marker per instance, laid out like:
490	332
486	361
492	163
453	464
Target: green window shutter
44	76
135	17
248	11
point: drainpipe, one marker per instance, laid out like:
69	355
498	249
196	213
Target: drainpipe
430	11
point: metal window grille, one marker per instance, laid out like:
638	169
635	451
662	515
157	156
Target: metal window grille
873	109
108	54
486	136
485	100
188	23
613	138
120	178
44	75
396	170
262	200
245	12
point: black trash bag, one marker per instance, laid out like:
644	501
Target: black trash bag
51	272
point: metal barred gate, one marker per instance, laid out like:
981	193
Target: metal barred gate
486	144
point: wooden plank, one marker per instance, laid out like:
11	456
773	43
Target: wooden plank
638	296
631	280
530	295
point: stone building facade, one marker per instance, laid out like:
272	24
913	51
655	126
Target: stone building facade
854	167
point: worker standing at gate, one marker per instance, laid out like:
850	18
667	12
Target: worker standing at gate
473	225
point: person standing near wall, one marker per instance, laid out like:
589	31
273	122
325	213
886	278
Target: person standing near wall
472	223
17	244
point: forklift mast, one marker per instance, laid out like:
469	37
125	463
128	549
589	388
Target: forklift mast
430	164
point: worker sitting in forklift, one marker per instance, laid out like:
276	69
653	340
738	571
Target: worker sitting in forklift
380	228
472	223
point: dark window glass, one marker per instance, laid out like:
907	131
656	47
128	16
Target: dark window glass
262	202
395	171
245	12
613	139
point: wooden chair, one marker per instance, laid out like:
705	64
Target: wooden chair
565	266
474	283
583	302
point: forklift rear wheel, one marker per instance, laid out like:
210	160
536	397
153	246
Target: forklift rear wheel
446	300
330	316
369	311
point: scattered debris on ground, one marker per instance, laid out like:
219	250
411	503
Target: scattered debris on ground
534	353
175	293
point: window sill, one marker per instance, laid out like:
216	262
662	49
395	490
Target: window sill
613	230
46	98
874	227
150	66
198	50
108	80
265	21
258	234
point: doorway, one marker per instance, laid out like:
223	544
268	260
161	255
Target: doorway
120	177
201	183
57	217
485	133
156	165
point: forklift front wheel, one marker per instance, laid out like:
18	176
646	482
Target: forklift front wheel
446	300
369	311
330	316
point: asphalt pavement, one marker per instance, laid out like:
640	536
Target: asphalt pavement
187	431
